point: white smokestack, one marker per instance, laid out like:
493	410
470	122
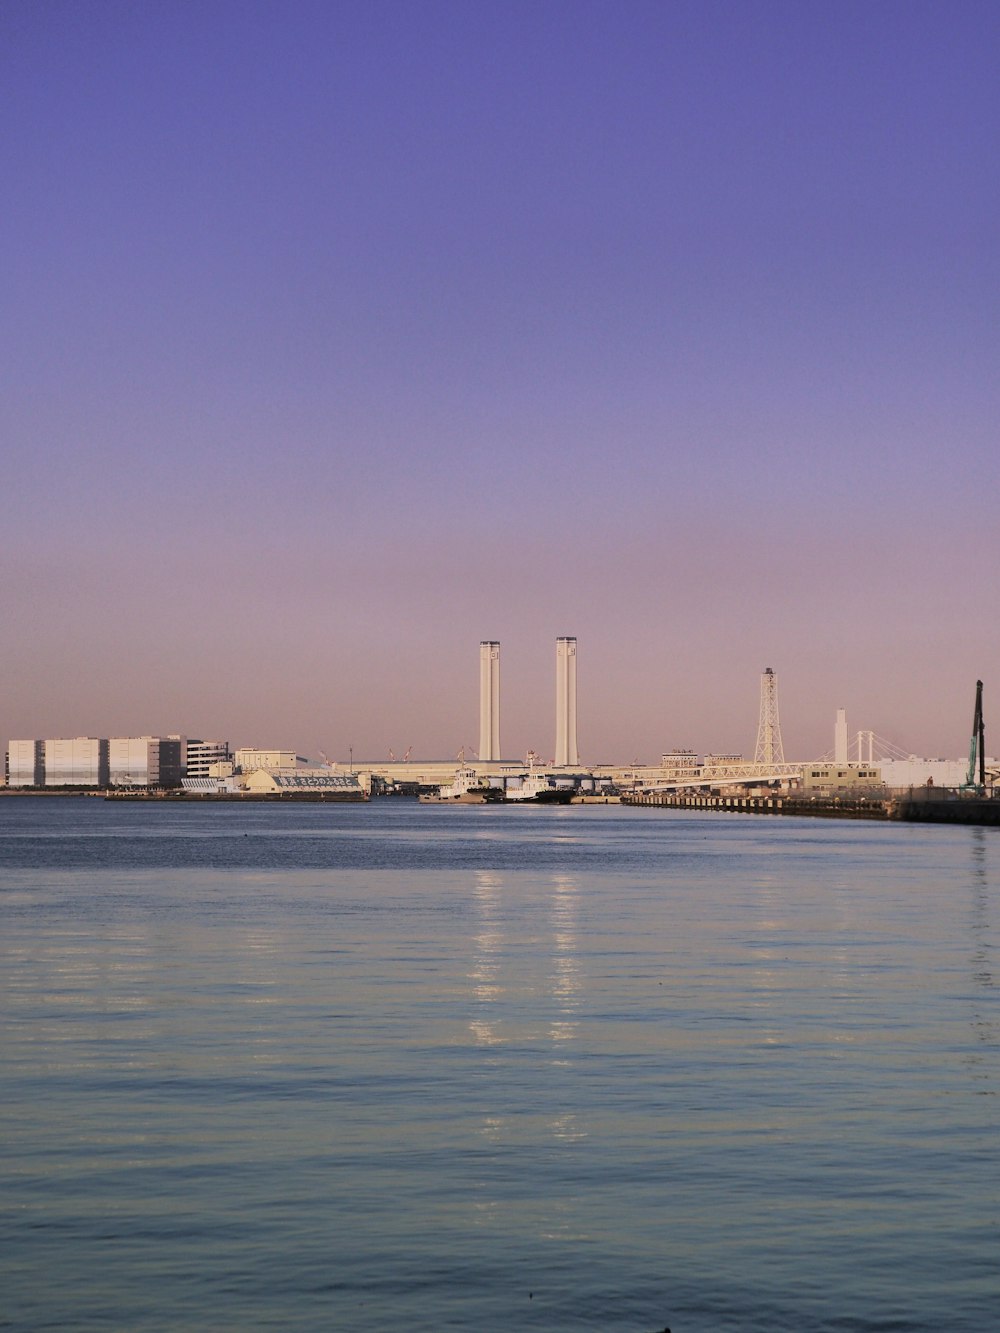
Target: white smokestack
567	754
489	699
840	737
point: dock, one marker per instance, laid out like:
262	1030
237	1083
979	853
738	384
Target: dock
915	805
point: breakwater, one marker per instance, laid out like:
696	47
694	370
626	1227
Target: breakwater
920	805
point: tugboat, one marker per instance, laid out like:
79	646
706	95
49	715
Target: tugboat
538	789
466	788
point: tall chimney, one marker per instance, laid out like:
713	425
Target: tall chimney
489	699
840	737
567	754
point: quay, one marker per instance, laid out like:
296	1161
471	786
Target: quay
177	797
926	805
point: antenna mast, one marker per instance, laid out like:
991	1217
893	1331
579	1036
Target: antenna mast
769	748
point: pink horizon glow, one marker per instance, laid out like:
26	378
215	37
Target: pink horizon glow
341	339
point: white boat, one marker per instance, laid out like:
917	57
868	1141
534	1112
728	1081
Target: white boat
538	789
466	788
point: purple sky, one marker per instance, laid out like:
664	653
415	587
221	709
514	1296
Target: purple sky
339	336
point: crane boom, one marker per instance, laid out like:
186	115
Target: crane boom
977	746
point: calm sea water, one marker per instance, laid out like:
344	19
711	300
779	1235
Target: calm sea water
401	1067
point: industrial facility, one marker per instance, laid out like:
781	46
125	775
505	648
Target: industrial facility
860	769
115	762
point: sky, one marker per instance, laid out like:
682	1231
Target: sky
337	337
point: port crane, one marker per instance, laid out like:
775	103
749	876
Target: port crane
977	746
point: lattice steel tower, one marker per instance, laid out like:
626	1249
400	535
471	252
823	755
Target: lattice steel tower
769	748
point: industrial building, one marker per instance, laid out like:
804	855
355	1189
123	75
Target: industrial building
916	772
679	763
841	777
91	761
311	782
145	761
26	763
199	756
248	758
77	761
213	785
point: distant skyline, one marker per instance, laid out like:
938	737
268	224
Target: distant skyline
338	338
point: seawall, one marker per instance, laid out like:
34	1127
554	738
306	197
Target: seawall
917	806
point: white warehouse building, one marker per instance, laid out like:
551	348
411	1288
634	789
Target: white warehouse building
26	763
144	761
78	761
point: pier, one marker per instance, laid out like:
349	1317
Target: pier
925	805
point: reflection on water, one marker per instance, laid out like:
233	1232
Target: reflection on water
511	973
985	1020
486	963
587	1069
565	963
980	919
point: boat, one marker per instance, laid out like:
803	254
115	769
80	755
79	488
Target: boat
538	789
466	788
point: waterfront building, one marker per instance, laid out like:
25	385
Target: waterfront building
144	761
199	756
679	763
128	761
916	772
26	763
840	777
248	758
77	761
293	781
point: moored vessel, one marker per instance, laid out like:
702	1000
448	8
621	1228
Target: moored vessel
538	789
466	788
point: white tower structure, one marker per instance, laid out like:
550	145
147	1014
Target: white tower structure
489	700
567	754
769	748
840	737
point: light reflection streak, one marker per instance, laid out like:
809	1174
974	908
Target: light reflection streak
486	961
565	980
490	989
984	1024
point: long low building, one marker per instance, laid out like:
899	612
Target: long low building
915	772
315	782
248	757
98	762
61	761
145	761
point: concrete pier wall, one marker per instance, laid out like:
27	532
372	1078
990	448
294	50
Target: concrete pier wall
919	806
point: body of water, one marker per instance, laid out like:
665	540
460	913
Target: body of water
495	1069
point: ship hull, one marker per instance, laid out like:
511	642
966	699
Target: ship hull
554	796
